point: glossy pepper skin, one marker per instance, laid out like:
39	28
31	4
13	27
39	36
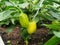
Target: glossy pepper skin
23	19
32	27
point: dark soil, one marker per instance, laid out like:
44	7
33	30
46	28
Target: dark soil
14	38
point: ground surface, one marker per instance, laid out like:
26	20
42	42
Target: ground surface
38	38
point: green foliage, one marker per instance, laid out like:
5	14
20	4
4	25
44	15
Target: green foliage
48	9
53	41
10	29
54	26
57	34
5	15
35	9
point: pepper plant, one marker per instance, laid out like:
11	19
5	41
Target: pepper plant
55	27
28	13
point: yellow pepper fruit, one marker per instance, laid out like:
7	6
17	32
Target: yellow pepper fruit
32	27
23	19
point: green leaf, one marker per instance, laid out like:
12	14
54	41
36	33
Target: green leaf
24	33
57	34
37	19
23	5
55	15
53	41
10	29
53	26
4	22
5	15
8	3
12	20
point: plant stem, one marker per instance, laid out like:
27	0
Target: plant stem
26	41
41	2
16	6
36	14
53	41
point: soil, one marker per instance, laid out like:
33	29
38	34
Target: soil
14	38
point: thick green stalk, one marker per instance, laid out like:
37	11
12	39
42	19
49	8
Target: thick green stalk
53	41
26	41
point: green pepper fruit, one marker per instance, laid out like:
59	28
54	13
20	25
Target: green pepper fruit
23	19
